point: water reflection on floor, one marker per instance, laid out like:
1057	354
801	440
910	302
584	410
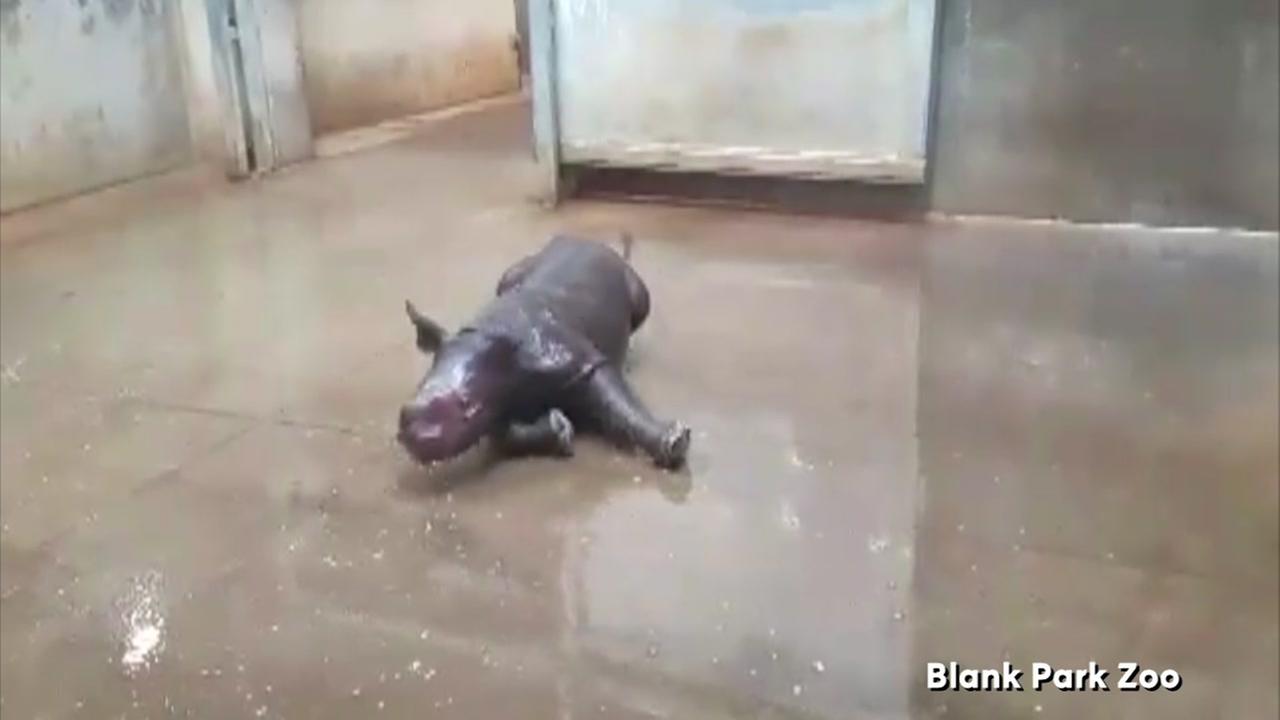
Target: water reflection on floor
970	442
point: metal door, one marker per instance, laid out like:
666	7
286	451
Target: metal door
797	88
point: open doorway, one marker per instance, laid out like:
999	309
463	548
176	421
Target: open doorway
368	62
351	74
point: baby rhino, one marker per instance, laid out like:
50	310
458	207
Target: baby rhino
543	357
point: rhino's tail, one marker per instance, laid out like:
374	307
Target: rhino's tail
627	242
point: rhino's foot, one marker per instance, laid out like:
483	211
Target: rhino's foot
562	429
609	402
673	448
552	434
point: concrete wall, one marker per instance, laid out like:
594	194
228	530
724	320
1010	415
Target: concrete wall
369	60
90	93
1152	111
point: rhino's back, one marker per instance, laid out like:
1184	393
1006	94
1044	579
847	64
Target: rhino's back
569	313
582	285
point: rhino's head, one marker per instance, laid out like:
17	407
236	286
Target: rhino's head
462	395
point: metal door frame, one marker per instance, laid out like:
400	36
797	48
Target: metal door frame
258	74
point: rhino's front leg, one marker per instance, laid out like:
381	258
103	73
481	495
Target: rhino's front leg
609	402
551	434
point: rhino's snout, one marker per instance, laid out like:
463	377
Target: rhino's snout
439	429
460	397
407	415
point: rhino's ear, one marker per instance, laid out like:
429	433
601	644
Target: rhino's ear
430	335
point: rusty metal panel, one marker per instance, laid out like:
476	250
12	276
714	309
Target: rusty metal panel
801	88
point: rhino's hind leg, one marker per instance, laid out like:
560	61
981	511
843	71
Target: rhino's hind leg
610	403
551	434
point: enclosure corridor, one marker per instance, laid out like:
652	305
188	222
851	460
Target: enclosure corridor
929	441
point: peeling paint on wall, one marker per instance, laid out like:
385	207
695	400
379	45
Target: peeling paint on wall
118	10
10	23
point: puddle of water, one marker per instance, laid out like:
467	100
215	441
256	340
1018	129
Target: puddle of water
143	623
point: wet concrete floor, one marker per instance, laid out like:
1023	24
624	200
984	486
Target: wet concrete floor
957	441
